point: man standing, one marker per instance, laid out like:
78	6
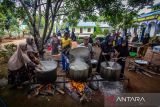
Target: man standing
89	46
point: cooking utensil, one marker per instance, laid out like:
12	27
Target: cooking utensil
110	73
79	70
105	60
48	73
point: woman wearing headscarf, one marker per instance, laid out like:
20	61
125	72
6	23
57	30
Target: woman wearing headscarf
32	51
54	43
17	66
107	51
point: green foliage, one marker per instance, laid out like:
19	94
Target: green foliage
127	20
42	22
105	32
112	11
156	8
9	14
1	33
140	3
94	35
2	24
6	54
97	30
79	40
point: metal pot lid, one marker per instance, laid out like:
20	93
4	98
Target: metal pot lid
111	65
80	52
47	66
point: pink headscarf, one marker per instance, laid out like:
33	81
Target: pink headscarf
19	58
31	46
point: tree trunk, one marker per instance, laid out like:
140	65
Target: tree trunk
9	33
46	20
0	39
125	32
40	15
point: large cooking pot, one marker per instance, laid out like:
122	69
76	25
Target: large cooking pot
110	71
79	70
80	51
48	73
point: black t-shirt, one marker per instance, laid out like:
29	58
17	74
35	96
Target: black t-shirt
123	51
106	48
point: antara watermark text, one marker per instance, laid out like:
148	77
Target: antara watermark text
130	99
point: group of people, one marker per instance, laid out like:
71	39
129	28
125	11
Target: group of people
57	40
65	43
114	48
22	63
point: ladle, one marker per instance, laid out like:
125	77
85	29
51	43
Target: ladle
107	64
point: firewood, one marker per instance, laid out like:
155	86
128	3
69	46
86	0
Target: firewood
60	91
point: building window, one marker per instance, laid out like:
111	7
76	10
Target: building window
81	30
89	29
73	29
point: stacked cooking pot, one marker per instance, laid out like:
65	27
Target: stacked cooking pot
79	69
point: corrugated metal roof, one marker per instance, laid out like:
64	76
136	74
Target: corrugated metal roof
150	14
87	24
103	25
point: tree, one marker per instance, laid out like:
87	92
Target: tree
106	31
2	24
98	30
113	11
47	9
120	15
10	15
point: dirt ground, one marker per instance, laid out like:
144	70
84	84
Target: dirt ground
139	83
14	41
